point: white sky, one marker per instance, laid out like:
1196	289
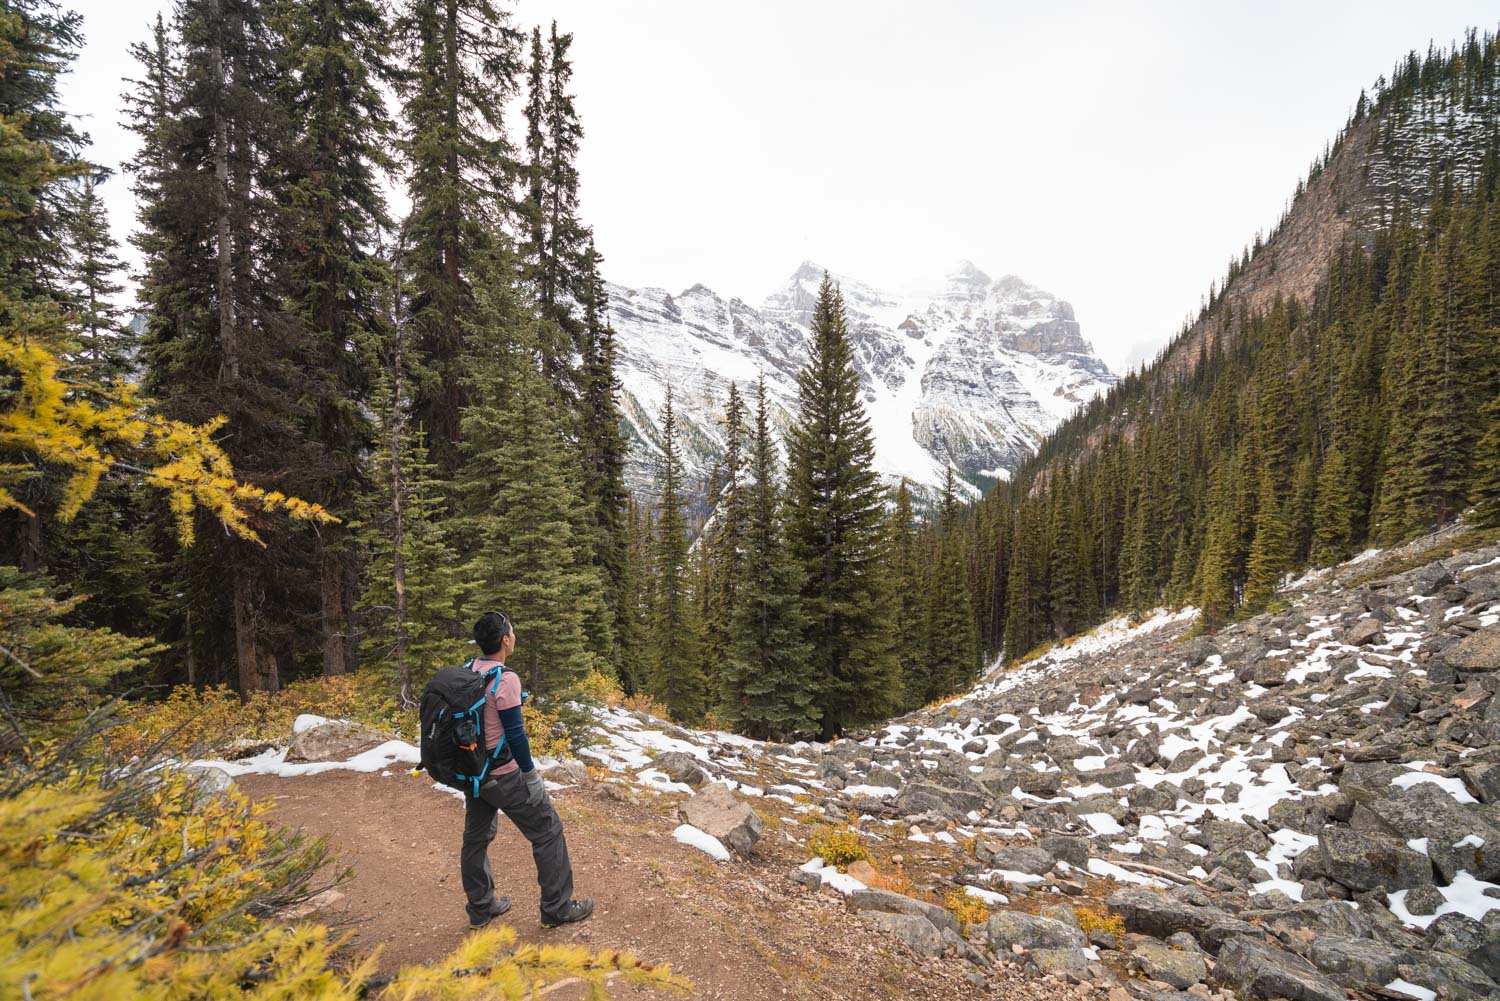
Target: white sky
1114	153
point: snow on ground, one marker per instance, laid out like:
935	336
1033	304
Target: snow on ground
704	842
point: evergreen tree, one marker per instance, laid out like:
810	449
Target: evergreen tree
1271	552
674	672
332	213
462	60
766	689
523	500
953	637
835	527
723	542
1334	514
909	600
106	343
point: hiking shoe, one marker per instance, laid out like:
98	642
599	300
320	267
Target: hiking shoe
573	910
501	905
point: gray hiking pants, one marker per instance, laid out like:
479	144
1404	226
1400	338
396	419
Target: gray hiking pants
541	826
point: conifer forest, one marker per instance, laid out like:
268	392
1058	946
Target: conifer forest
283	462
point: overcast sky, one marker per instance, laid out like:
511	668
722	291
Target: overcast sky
1114	153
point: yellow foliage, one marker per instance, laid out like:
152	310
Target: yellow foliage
154	892
1091	920
88	431
599	687
545	730
896	882
642	703
837	846
969	910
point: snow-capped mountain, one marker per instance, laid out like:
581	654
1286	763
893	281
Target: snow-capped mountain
975	374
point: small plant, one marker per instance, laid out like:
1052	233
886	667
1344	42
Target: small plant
969	910
896	882
1091	920
837	846
599	688
640	702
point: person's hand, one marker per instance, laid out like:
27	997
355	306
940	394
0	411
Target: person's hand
536	789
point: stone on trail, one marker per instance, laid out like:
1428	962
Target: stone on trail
716	811
338	740
1057	961
1259	970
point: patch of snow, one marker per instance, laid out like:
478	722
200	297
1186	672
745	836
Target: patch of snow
704	842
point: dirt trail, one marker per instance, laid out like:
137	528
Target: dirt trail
738	930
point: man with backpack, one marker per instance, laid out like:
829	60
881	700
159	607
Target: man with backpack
503	776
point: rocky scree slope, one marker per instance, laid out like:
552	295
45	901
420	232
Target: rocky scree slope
975	374
1298	806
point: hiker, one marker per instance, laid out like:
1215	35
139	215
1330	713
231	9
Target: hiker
516	789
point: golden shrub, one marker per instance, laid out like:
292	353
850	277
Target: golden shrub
1091	920
969	910
837	846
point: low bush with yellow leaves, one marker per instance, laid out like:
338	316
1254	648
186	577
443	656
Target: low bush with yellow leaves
969	909
837	846
1091	920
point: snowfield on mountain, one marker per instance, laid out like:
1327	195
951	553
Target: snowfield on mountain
975	374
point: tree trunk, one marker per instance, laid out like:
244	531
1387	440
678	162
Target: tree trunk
398	490
244	632
335	628
229	361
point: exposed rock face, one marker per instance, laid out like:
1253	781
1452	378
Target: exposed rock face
716	811
975	374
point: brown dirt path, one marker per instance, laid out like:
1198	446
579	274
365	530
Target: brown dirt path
739	931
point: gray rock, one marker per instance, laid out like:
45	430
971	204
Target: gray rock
1008	928
716	811
883	777
208	782
1426	811
916	932
924	797
1038	783
1074	851
338	740
1174	967
1159	914
1034	861
889	902
1365	861
1450	976
813	881
564	771
1424	900
1368	780
1111	777
1047	962
1358	961
1228	836
1312	918
1474	942
1259	970
1362	632
1479	651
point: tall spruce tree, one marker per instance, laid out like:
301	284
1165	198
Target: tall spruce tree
765	685
106	344
674	670
904	568
953	638
332	214
835	520
462	59
522	494
723	545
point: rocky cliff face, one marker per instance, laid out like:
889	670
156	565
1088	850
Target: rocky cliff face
974	375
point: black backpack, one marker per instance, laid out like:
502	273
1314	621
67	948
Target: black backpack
453	750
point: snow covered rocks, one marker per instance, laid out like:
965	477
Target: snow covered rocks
716	811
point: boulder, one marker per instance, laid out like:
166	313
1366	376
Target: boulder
1357	961
1368	780
1148	912
1175	967
1364	861
924	797
1034	861
889	902
1457	838
1228	835
338	740
680	766
1313	918
1362	632
1057	962
1475	942
1064	848
208	782
1258	970
1015	928
716	811
565	771
915	932
883	777
1479	651
1451	977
